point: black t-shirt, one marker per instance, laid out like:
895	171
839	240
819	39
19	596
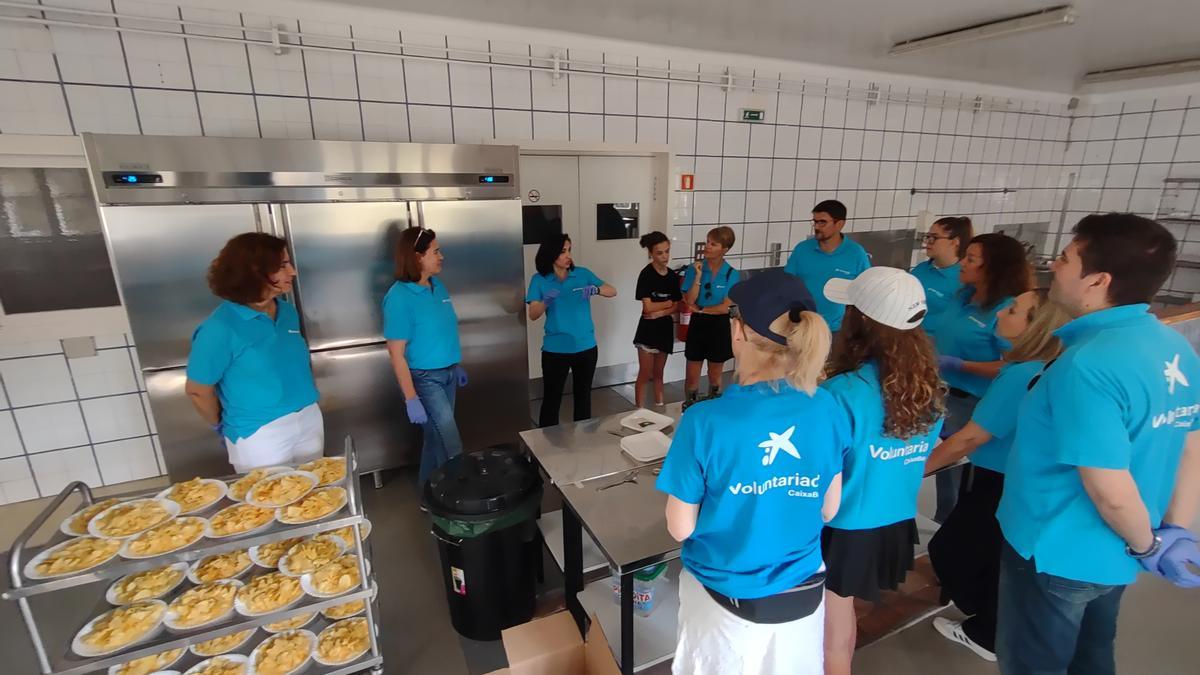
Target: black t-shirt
658	287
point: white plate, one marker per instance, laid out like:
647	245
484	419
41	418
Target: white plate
374	592
78	646
64	525
249	634
210	481
125	549
245	611
648	446
328	460
364	532
307	584
279	511
259	561
208	531
237	658
116	670
171	507
169	619
284	565
191	573
646	420
275	632
110	596
311	477
312	643
31	566
270	471
317	657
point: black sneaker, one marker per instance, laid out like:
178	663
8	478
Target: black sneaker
689	399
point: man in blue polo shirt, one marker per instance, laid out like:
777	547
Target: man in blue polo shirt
1104	472
828	255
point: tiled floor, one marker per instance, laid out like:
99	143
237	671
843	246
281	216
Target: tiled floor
1157	623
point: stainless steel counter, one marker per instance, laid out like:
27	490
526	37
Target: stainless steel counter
626	517
611	496
575	452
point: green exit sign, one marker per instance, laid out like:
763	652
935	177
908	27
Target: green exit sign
749	115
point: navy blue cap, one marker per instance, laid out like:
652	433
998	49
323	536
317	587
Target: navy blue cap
765	296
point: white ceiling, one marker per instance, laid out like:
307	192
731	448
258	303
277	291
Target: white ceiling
858	33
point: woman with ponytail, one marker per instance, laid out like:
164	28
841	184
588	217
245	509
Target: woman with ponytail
752	477
658	292
884	375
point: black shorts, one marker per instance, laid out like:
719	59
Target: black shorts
708	338
656	334
860	563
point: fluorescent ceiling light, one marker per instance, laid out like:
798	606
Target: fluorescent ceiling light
1148	70
1062	15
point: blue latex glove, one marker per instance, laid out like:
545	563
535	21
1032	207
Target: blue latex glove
550	296
1178	563
590	290
949	363
416	411
1170	535
460	376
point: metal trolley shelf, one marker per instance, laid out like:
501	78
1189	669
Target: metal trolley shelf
23	589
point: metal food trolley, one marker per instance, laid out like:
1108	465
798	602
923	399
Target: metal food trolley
57	659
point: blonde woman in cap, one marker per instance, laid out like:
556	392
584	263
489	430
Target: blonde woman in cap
752	477
884	375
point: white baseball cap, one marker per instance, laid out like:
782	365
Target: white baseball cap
888	295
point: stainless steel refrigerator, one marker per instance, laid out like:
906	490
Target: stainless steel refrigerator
168	204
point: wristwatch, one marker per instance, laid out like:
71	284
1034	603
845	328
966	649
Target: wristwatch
1142	555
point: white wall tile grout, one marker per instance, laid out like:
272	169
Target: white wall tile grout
760	179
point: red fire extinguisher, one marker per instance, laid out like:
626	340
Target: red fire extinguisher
683	313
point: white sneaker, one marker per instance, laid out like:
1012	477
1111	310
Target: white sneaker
953	631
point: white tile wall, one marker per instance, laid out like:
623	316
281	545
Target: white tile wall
64	419
762	179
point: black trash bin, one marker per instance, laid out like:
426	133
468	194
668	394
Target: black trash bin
484	506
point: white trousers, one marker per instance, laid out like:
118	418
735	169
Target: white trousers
714	641
294	438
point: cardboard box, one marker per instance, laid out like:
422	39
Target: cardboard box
551	646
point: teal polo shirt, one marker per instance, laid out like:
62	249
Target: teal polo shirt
997	413
714	288
1123	395
424	317
260	368
882	474
816	267
968	331
569	327
758	461
941	287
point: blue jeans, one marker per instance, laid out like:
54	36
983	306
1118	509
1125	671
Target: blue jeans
440	441
1049	625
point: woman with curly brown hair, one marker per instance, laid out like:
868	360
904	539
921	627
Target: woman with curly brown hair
249	373
884	374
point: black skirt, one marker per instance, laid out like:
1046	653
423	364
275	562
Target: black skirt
656	333
860	563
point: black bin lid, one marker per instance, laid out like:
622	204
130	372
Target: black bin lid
485	482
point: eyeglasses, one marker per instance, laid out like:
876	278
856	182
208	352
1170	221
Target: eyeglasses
735	312
931	237
708	289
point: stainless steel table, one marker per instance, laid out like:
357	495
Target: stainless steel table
613	497
574	452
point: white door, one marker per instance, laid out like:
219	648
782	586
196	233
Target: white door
550	195
616	196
